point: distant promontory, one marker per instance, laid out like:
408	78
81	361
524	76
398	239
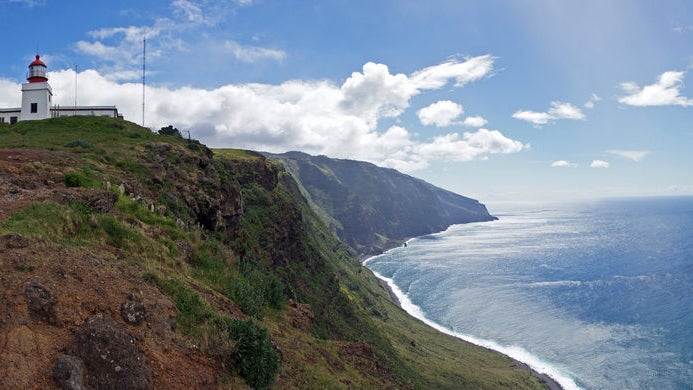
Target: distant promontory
372	208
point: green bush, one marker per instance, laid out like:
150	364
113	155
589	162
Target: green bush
82	178
248	297
256	359
80	143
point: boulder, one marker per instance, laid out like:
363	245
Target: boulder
111	355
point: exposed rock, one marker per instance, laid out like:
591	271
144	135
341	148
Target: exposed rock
112	358
302	316
41	302
133	312
14	241
69	372
186	251
101	201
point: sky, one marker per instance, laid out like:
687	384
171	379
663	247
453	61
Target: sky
497	100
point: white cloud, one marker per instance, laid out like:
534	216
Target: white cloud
635	155
189	10
317	117
563	164
470	146
474	121
375	93
119	49
253	54
441	113
537	118
599	164
10	95
593	99
665	92
558	110
463	72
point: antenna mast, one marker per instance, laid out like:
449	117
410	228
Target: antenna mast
74	112
144	68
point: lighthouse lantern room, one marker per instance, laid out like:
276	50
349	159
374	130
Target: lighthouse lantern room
37	94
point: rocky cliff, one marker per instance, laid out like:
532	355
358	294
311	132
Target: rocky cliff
134	260
372	208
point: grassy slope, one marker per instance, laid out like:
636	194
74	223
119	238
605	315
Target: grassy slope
278	249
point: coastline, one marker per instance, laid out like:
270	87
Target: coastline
398	297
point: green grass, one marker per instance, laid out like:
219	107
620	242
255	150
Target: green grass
278	248
237	154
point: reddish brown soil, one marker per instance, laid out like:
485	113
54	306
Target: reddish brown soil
84	282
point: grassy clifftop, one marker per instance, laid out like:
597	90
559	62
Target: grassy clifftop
209	265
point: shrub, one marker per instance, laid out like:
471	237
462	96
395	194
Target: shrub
83	178
248	297
170	131
256	359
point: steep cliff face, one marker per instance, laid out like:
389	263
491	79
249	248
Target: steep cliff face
133	260
372	208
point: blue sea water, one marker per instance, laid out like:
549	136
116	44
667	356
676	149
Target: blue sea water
598	295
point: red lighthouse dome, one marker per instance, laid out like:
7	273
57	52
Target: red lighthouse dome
37	71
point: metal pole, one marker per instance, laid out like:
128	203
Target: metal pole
144	64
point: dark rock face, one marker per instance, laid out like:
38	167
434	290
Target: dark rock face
111	356
372	208
41	302
69	372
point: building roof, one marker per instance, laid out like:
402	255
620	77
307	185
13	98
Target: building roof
38	62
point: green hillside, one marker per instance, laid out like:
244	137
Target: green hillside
193	268
373	209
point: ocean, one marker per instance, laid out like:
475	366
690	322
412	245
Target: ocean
598	295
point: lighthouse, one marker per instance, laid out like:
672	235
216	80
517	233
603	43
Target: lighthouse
37	94
37	100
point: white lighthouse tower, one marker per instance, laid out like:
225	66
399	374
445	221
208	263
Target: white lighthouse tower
37	94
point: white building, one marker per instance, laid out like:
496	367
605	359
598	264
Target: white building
37	100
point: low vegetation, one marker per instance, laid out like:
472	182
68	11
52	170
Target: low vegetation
259	284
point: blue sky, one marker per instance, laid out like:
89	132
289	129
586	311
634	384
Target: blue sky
499	100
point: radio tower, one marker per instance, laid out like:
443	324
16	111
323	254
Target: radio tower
144	64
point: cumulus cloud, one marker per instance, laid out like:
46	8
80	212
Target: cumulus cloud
599	164
666	91
441	113
563	164
470	146
474	121
10	94
635	155
558	110
317	117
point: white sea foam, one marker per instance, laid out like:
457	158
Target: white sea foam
514	352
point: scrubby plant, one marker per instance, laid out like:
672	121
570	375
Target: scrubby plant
256	359
82	178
